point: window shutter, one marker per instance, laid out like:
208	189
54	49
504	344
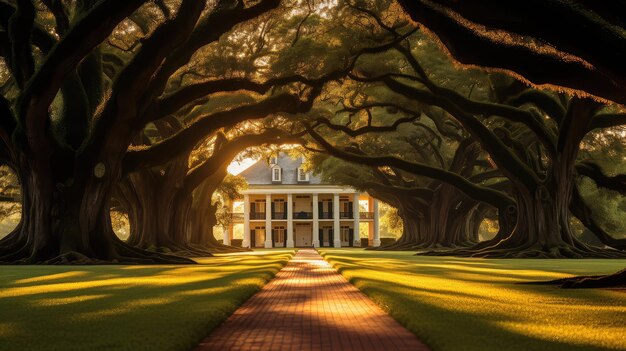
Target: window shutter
321	236
351	237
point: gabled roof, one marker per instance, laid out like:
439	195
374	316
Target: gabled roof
260	173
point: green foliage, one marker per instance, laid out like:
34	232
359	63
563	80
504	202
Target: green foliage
10	206
607	207
390	222
607	148
227	192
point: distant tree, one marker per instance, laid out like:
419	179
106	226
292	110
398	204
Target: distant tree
9	193
180	216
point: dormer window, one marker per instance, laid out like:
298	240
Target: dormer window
276	174
303	175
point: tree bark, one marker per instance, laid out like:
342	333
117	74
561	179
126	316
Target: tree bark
68	222
543	211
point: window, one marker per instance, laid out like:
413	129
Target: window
273	160
279	234
303	176
347	206
345	233
276	176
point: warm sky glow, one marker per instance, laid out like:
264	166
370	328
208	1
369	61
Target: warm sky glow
237	167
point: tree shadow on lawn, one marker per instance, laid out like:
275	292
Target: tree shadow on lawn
451	305
126	307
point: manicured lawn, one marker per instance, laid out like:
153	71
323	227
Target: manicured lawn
127	307
475	304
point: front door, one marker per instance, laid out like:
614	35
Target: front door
304	238
327	240
259	237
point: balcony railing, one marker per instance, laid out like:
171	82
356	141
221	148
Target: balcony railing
257	215
366	215
326	215
279	215
238	216
302	215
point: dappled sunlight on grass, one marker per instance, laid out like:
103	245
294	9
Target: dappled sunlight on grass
66	300
477	304
49	277
161	307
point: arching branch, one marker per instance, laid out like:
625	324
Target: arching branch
80	40
230	149
492	197
187	138
471	46
510	163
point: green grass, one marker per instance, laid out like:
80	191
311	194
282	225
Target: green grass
476	304
127	307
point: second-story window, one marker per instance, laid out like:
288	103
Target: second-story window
276	176
303	176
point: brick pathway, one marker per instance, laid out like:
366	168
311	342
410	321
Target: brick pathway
309	306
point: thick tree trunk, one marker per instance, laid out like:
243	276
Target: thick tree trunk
157	212
202	215
413	222
164	218
449	215
444	224
543	211
68	223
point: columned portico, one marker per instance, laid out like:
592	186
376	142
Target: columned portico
336	226
246	222
285	206
289	209
268	222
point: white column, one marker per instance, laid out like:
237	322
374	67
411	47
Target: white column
376	223
246	221
355	211
268	221
316	222
336	227
226	234
289	209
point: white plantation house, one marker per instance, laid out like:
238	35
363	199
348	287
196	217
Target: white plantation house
320	215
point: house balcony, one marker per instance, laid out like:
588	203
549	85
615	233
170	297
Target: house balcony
303	215
325	215
238	216
257	215
366	215
279	215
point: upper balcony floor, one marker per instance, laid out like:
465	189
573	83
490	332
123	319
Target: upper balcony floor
303	207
